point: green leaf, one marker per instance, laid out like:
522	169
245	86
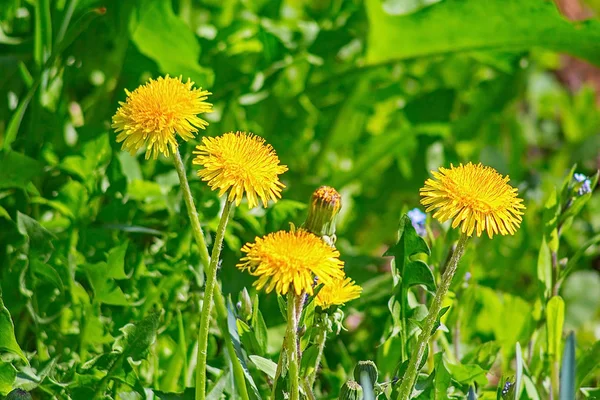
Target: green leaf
39	240
8	342
217	390
105	289
265	365
46	273
544	268
567	370
116	262
17	169
466	374
138	337
519	375
409	244
418	273
551	214
160	35
442	378
259	327
587	363
555	317
7	376
484	355
473	25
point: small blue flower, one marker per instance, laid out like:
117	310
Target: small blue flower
418	218
585	185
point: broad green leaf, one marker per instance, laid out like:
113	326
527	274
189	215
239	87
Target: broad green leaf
567	370
409	244
555	319
587	363
265	365
7	376
46	272
442	377
39	240
484	355
217	390
105	289
95	155
160	35
8	342
473	25
418	273
137	337
116	262
17	169
466	374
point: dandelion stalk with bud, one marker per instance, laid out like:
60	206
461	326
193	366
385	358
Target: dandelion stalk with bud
478	200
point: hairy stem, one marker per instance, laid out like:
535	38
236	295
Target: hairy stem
412	371
211	280
322	339
220	307
292	345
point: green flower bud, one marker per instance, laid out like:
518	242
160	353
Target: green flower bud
245	305
18	394
324	207
351	391
366	367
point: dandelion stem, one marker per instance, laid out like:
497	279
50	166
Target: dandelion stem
292	345
211	280
321	343
408	381
220	307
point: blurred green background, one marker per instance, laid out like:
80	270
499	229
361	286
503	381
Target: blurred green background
367	97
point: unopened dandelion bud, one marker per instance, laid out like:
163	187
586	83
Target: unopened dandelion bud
18	394
324	207
351	391
245	303
366	367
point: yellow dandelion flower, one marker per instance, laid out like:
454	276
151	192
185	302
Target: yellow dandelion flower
475	196
338	292
291	260
240	163
153	113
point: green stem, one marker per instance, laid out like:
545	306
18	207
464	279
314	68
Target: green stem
220	307
292	345
211	280
412	371
322	339
279	368
191	209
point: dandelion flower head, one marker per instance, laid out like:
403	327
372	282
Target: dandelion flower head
240	163
476	197
338	292
154	113
290	261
